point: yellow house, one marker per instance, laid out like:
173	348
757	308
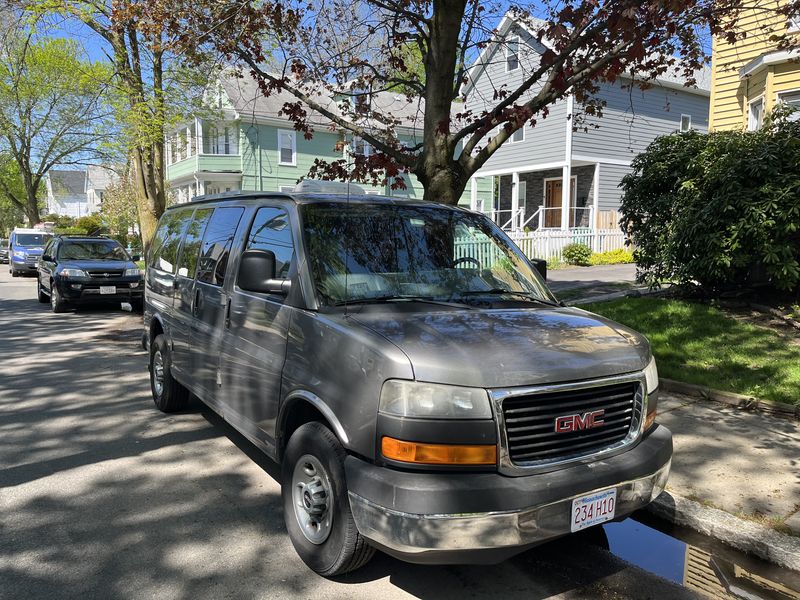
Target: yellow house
750	77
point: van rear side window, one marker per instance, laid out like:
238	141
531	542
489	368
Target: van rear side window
167	241
217	245
187	263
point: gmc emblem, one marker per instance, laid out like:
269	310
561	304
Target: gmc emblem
587	420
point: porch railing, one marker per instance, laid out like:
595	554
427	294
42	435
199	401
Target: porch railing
550	243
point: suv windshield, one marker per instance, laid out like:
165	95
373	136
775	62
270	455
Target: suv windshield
386	252
92	250
31	239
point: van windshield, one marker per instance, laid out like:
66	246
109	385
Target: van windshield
387	252
31	239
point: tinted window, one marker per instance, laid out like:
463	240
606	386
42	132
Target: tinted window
187	263
271	231
164	253
217	245
92	250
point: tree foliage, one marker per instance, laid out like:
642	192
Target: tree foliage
51	109
585	43
11	214
717	209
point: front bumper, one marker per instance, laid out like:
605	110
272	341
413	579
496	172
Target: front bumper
81	290
462	518
24	264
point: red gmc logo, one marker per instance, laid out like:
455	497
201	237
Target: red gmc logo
587	420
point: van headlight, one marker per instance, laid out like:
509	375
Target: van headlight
432	400
651	376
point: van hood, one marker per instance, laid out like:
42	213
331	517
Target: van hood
497	348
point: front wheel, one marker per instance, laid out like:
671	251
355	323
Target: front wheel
316	506
43	298
57	303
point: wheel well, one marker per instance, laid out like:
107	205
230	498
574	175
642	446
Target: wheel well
298	413
155	329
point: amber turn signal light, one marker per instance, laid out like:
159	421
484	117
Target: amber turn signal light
438	454
650	420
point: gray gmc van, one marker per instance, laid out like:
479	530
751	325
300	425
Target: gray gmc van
422	389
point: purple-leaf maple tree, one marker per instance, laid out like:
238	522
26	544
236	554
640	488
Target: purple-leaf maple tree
335	57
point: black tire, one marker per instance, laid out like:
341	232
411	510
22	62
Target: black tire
344	549
14	273
170	396
43	298
137	306
57	303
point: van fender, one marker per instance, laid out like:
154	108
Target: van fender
320	405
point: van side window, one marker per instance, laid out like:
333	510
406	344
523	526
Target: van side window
271	231
167	241
187	263
217	245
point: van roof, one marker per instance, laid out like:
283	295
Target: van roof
308	198
29	230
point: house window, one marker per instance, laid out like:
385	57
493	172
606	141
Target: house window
755	115
512	54
792	100
686	123
287	149
361	147
518	135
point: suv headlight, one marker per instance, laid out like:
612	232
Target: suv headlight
133	272
73	273
651	376
432	400
19	253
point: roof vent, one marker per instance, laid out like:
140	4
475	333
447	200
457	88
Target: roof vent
315	186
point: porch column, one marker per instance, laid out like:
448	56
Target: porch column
198	134
595	207
514	200
566	176
473	194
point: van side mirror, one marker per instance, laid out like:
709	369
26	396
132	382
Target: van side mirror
541	266
257	273
47	257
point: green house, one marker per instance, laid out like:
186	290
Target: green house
251	147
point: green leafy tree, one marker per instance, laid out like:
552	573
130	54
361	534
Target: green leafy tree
119	212
51	110
719	209
11	187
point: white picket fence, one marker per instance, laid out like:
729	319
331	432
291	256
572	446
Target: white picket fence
549	243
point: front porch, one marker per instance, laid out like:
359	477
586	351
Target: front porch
551	197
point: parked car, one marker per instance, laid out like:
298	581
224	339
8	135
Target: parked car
24	249
422	389
75	270
3	250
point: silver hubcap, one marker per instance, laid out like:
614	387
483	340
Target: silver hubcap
158	372
312	499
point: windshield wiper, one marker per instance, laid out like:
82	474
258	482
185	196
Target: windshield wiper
499	291
396	298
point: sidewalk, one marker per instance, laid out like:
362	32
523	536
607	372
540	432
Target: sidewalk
591	277
744	463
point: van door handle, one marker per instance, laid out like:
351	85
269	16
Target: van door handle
196	302
228	313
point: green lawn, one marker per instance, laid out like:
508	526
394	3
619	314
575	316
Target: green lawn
697	343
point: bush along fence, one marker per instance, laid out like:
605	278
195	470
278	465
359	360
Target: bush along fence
550	244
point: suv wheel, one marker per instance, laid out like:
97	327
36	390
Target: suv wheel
316	507
168	394
43	298
57	303
14	272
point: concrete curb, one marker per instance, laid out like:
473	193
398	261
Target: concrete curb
747	536
738	400
610	296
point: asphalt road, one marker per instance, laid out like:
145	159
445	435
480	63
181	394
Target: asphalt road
102	496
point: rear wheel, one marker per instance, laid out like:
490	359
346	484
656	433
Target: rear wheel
168	394
14	272
57	303
43	298
316	506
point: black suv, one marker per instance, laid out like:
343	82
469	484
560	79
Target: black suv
80	269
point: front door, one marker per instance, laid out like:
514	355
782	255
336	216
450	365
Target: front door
254	345
552	202
210	301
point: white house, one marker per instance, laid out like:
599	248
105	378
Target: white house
75	193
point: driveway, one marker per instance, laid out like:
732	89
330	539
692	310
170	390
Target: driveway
590	277
102	496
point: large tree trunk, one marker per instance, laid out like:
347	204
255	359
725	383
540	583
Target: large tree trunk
148	204
440	174
32	210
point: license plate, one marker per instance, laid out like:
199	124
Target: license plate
593	509
108	289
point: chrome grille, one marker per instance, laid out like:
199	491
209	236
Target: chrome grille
105	274
31	261
530	421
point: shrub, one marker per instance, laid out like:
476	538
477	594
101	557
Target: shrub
719	209
612	257
576	254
